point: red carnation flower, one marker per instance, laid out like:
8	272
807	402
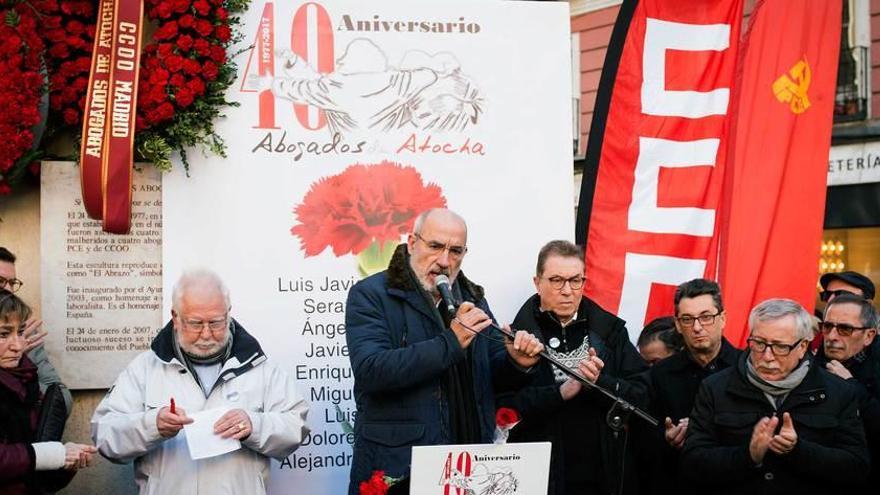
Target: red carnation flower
75	28
364	203
83	63
186	21
166	50
158	93
59	50
202	47
505	420
166	31
164	111
180	6
76	42
202	7
177	80
164	10
221	14
223	33
71	116
191	66
505	417
196	86
184	43
376	485
210	71
174	63
80	83
218	54
203	27
184	97
159	76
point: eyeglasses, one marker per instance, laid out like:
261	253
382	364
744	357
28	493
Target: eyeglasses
559	282
843	329
760	346
825	295
197	326
14	283
455	252
706	320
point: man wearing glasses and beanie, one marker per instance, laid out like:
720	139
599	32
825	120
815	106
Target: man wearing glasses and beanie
835	284
851	351
203	359
776	422
586	455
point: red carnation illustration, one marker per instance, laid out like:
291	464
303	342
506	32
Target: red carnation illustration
364	210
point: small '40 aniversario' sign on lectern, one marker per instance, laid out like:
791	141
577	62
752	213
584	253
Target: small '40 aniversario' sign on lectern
486	469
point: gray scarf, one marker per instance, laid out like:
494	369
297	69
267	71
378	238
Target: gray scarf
776	391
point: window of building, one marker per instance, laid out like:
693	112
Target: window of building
851	98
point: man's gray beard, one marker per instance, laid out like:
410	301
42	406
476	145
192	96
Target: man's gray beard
430	289
194	354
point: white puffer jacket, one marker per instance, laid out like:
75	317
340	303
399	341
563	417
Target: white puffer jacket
124	424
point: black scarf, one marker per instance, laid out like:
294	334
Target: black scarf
458	382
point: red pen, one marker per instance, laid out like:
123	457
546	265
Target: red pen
173	409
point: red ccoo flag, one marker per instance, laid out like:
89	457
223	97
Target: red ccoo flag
774	191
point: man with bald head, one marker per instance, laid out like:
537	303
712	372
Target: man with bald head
423	375
203	359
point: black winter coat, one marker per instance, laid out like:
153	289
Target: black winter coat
830	455
866	380
19	411
584	447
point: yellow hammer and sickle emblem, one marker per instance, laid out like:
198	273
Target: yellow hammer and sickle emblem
793	90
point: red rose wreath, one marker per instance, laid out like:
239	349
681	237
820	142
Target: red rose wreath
185	71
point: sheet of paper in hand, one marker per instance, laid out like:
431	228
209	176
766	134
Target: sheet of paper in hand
202	440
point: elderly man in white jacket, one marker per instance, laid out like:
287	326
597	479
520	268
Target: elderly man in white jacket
202	359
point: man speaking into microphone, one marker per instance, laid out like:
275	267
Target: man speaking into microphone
423	374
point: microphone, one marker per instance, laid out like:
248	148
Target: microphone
443	286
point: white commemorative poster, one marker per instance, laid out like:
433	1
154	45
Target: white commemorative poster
354	117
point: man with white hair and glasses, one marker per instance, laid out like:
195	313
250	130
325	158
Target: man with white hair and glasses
203	359
776	421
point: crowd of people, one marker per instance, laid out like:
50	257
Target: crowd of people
775	416
796	411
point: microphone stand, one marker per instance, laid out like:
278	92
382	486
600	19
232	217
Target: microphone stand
620	410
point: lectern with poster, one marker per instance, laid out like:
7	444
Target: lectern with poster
486	469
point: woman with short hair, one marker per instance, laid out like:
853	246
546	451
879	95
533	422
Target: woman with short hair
27	466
